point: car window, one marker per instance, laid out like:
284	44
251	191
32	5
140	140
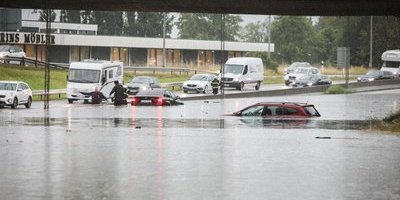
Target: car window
289	111
311	111
20	87
253	111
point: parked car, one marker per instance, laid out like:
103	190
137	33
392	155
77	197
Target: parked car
156	96
296	65
299	72
312	80
142	83
376	75
279	110
11	51
198	83
14	93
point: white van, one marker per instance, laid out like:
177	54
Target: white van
241	71
87	75
391	62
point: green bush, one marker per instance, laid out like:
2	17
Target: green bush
336	89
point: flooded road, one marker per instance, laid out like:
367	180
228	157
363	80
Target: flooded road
193	151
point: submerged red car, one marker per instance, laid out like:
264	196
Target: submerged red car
279	110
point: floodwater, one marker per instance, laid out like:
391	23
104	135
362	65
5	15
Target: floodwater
193	151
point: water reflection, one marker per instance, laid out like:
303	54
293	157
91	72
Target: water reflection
160	123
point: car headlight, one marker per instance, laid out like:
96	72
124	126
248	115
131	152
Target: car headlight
144	88
359	78
286	77
371	79
309	84
9	94
236	79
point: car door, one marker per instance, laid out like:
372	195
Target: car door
21	93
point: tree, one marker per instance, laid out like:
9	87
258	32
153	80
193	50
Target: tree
293	37
70	16
109	23
255	32
203	26
43	15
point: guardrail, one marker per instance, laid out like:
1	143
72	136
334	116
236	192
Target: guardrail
41	93
23	61
166	69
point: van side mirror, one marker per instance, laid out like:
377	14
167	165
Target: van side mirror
246	68
67	77
103	80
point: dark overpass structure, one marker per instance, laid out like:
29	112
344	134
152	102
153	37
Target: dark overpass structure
263	7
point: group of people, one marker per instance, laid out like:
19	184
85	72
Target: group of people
120	95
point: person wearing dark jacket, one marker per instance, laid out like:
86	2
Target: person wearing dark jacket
215	85
120	94
96	96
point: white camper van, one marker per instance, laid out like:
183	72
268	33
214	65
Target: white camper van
87	75
391	62
241	71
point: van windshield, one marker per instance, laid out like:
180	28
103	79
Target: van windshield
234	69
391	64
84	76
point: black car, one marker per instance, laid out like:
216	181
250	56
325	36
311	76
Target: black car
312	80
375	75
156	96
140	83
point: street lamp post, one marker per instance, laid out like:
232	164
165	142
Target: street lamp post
164	52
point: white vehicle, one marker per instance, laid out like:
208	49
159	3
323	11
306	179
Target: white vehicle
298	73
84	77
14	93
11	51
241	71
199	83
391	62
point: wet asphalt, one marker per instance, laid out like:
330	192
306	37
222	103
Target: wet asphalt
194	151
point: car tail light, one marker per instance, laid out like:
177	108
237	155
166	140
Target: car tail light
158	101
135	101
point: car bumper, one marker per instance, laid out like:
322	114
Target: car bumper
6	101
231	84
78	96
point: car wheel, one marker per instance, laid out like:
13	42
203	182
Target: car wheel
287	83
70	101
184	91
258	85
205	89
29	103
15	103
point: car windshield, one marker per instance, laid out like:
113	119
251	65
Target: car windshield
302	70
198	78
311	111
84	76
141	80
373	73
234	69
8	86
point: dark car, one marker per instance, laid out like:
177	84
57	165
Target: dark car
156	96
312	80
375	75
279	110
140	83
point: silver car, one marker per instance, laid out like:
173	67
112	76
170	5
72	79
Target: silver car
11	51
140	83
199	83
14	93
299	72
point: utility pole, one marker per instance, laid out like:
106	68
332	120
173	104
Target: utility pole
222	56
370	43
269	36
47	67
164	52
